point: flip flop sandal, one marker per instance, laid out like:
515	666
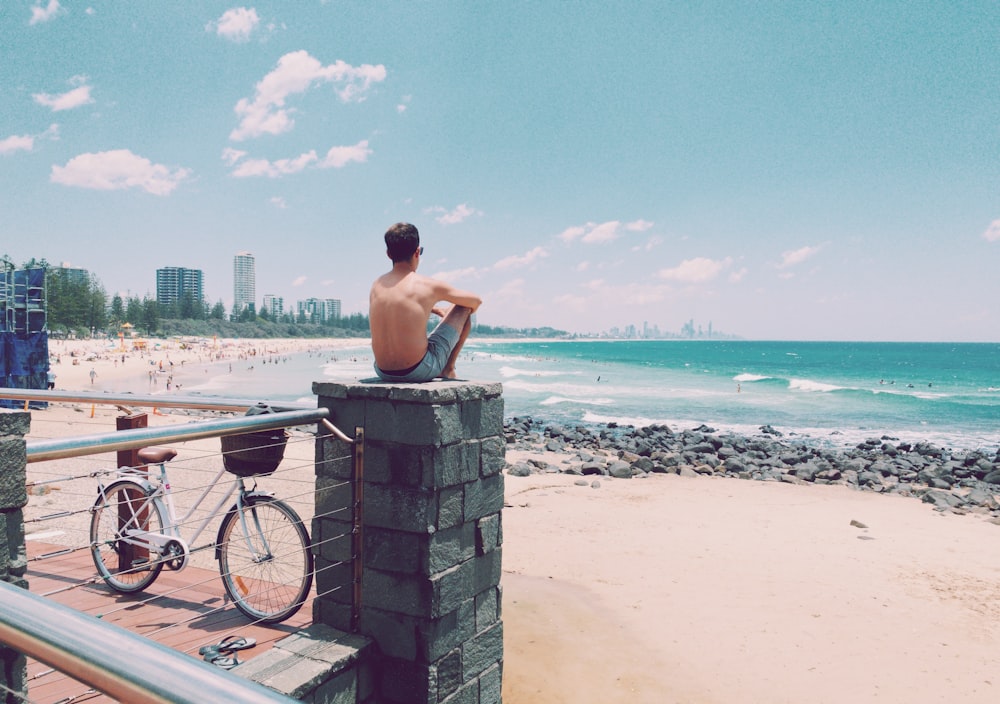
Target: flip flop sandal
226	662
228	644
231	643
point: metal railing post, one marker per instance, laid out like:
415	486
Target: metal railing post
357	534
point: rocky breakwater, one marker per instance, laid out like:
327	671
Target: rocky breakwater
951	480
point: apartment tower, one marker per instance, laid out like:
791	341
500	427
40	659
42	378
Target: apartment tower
174	282
244	282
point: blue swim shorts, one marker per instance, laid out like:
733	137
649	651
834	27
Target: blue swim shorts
440	343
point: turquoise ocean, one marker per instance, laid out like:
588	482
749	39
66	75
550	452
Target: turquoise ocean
828	393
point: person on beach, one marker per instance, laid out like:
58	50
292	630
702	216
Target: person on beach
400	304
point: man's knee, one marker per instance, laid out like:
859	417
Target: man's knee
458	317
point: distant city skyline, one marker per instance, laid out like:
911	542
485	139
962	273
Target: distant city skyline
787	170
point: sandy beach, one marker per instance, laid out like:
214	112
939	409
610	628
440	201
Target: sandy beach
677	589
170	365
700	589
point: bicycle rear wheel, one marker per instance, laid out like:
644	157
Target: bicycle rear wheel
265	559
121	518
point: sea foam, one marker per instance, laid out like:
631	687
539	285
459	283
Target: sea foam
809	385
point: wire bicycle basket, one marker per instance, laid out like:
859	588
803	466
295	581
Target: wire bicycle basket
253	454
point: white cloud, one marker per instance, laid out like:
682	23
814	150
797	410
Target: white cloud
231	156
469	272
737	276
278	202
516	262
605	232
299	280
797	256
696	271
638	225
453	217
651	243
65	101
992	233
338	157
600	293
296	73
273	169
44	14
571	233
26	142
117	170
593	233
236	24
15	143
512	288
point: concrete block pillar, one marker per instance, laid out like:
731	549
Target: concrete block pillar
433	498
13	554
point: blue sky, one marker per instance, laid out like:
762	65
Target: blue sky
783	170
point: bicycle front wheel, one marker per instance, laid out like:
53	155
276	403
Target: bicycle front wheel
265	559
121	520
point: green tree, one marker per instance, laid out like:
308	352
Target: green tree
189	308
96	305
133	311
218	311
150	315
74	303
116	315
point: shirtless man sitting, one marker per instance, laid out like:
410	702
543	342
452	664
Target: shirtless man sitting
400	304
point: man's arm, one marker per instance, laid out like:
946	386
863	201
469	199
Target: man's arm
446	292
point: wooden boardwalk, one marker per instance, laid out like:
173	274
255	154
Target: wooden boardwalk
183	610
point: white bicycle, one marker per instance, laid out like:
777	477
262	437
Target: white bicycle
263	549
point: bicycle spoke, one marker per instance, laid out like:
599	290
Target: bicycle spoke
265	559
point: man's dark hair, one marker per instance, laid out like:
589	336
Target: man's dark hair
401	241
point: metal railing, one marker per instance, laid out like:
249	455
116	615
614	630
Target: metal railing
115	661
44	450
45	633
202	403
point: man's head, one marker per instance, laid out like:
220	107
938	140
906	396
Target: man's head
401	241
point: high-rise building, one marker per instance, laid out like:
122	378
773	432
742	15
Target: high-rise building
72	275
274	305
244	282
175	282
331	309
317	310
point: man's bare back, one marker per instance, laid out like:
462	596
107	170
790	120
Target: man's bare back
400	304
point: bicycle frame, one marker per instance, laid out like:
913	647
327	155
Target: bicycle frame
162	493
142	533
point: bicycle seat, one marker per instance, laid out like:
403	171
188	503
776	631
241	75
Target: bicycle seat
156	455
